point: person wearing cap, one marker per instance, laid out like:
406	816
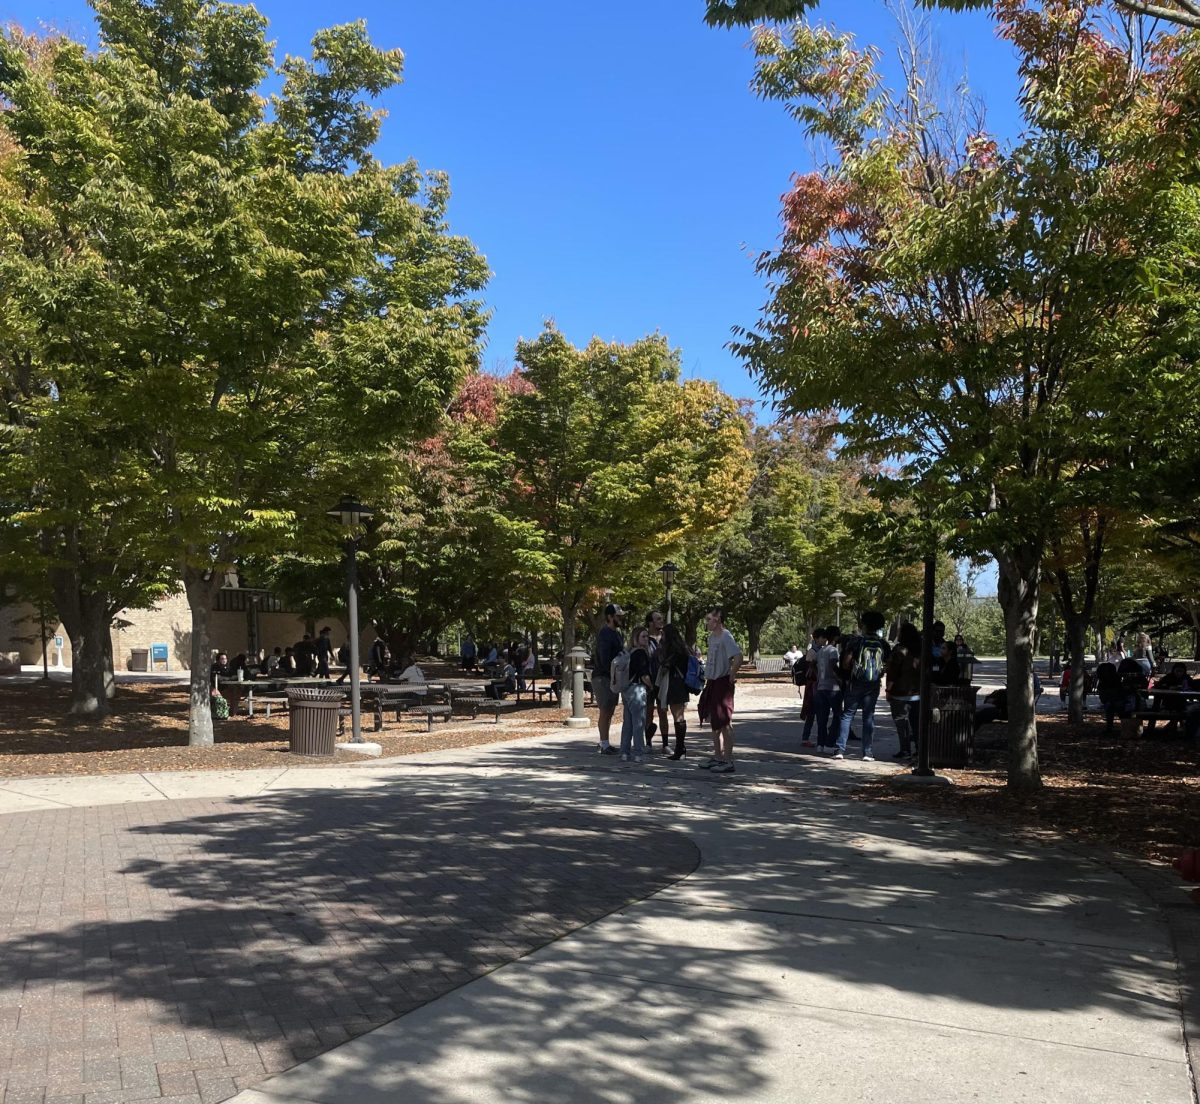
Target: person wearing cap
609	643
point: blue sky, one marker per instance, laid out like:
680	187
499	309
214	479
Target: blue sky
608	159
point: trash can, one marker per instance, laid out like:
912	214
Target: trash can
313	718
952	726
139	659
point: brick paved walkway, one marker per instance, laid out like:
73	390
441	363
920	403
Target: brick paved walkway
181	951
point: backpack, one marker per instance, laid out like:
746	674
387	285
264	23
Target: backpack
618	674
694	679
867	663
800	671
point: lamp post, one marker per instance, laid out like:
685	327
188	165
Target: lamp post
839	597
353	515
668	571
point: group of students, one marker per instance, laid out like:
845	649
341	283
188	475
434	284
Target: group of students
840	675
655	675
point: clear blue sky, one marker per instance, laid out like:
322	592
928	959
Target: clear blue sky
608	158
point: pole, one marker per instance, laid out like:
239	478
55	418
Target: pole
837	616
668	603
355	699
923	769
45	661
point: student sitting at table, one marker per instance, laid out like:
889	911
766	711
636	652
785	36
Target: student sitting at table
411	672
286	667
503	684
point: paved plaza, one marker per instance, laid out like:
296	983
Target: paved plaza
532	922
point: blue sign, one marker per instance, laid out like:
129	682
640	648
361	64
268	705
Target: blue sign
158	653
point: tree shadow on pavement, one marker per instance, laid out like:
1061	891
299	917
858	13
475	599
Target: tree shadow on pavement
274	928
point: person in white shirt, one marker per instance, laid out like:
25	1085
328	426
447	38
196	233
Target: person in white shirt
716	702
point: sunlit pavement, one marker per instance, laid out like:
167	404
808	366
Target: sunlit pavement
823	950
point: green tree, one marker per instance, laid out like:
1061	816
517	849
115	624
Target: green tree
970	309
263	308
614	461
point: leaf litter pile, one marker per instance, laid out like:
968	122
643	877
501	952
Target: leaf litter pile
1139	795
147	731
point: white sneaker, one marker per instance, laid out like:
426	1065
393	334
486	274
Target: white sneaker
868	758
624	758
839	755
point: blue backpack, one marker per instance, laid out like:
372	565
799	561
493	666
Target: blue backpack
694	679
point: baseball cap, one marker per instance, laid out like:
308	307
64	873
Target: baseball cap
613	610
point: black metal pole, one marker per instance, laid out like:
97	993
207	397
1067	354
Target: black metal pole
45	660
352	605
668	603
925	713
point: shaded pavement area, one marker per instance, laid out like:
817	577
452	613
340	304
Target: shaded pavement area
184	950
824	949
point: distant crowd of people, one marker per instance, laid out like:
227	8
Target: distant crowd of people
841	675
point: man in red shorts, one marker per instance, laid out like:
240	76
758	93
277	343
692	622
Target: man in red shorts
721	666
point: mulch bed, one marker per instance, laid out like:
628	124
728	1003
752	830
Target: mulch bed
147	731
1139	795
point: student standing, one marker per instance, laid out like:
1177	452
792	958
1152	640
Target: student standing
904	687
673	659
724	659
634	698
609	644
863	661
828	691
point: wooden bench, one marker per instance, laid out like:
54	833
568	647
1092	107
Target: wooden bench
495	706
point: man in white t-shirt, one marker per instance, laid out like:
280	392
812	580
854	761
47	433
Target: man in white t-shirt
721	666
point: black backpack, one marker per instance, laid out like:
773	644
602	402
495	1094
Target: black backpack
800	670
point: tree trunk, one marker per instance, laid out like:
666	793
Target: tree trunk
91	667
1017	589
753	636
200	587
569	613
85	617
1075	631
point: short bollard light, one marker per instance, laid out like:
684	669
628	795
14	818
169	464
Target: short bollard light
577	659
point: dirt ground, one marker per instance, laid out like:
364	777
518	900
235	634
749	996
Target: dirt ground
147	731
1140	795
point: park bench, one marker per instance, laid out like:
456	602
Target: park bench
420	709
268	700
378	701
476	705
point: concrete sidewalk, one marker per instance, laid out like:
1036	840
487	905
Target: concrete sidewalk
825	950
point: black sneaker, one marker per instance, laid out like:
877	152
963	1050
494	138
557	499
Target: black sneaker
606	749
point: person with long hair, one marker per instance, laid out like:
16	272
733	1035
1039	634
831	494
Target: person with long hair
673	656
634	698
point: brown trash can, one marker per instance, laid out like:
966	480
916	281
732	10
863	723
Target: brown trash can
312	720
952	726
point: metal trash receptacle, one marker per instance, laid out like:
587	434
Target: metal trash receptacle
952	726
312	720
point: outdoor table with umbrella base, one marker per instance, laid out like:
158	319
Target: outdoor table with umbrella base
313	720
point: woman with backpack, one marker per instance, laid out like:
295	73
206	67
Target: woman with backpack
634	695
673	656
